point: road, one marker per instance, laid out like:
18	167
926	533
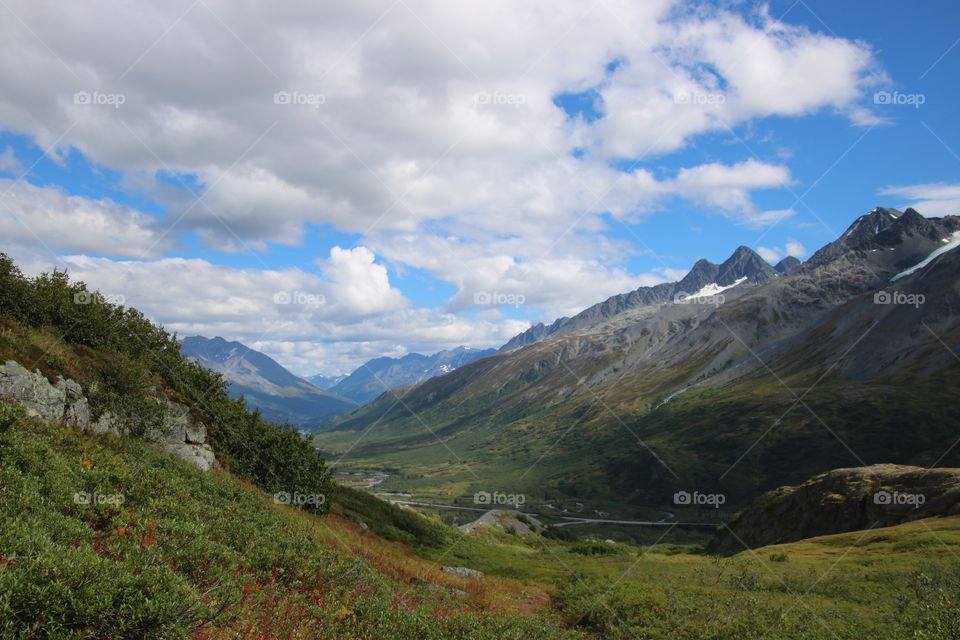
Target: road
571	520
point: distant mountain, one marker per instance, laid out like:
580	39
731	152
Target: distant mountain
277	393
743	264
787	265
737	379
325	382
385	374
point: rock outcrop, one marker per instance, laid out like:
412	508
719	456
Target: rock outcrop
65	404
839	501
506	520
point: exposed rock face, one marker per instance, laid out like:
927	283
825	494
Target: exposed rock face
65	404
62	403
506	520
842	500
463	572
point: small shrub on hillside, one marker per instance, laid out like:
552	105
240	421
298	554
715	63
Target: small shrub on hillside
563	534
9	414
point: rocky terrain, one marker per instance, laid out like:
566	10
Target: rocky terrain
64	403
842	500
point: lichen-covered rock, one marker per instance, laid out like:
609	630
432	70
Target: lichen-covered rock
62	403
199	455
65	404
463	572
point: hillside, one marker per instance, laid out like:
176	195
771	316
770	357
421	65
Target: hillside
265	384
737	379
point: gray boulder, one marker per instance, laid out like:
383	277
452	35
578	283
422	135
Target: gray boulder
64	403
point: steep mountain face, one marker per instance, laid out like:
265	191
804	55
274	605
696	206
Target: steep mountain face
738	378
380	375
744	264
842	500
278	394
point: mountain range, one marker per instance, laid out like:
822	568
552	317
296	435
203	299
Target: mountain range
738	378
380	375
306	403
278	394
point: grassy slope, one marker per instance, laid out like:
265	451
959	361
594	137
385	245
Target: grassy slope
188	552
568	452
209	555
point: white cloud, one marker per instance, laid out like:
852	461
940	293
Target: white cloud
48	220
774	255
390	142
933	199
9	162
399	116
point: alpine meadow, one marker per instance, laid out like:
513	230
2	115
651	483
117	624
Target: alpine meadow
420	320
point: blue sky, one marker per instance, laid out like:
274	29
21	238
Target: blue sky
429	161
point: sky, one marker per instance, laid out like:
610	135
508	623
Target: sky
332	182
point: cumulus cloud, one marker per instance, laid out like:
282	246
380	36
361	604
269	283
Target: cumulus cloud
49	220
774	255
432	134
309	321
933	199
9	162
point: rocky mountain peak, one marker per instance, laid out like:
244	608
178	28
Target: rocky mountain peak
743	263
787	265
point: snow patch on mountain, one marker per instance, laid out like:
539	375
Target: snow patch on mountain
951	243
713	288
